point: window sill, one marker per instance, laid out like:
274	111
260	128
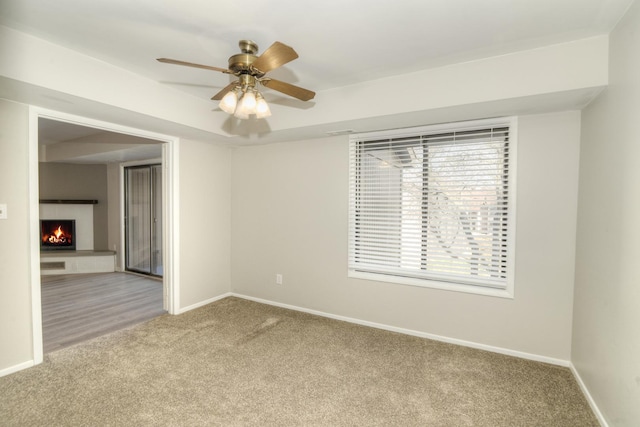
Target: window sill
433	284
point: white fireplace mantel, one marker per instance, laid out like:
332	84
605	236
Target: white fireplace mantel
82	213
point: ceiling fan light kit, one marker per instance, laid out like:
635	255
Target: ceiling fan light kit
241	97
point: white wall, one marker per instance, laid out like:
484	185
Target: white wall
606	339
205	231
289	216
15	285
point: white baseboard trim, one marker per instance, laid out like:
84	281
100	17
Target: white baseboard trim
500	350
16	368
202	303
587	395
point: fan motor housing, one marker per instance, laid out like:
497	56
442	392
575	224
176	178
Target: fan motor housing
241	62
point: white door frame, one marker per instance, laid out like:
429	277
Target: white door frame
170	194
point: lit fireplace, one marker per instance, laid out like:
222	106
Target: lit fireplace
57	234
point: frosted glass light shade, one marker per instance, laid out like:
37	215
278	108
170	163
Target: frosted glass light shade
229	102
246	106
248	103
262	108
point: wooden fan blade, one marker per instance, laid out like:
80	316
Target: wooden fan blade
191	64
289	89
275	56
218	96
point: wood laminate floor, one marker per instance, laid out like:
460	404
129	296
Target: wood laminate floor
78	307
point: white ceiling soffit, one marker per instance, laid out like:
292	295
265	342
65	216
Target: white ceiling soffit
71	143
365	59
90	154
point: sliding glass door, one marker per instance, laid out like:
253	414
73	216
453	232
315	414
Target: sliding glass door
143	219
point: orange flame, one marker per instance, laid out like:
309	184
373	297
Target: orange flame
57	236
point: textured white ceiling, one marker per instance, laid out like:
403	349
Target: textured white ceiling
340	42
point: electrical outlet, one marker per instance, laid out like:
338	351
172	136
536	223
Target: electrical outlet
3	211
278	279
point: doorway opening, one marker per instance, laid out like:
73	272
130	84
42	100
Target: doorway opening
131	143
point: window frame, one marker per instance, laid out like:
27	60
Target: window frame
508	290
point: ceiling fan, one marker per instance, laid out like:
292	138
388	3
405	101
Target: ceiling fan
241	97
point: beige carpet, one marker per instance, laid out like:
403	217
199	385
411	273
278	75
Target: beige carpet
237	363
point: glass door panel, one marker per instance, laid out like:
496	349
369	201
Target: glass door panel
156	217
143	219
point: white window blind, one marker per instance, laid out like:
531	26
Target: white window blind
432	203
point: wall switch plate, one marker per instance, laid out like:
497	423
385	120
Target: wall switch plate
3	211
278	279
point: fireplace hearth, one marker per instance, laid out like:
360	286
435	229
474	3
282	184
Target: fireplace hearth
57	234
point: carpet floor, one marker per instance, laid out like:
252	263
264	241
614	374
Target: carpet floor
239	363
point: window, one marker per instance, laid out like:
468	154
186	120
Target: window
434	206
